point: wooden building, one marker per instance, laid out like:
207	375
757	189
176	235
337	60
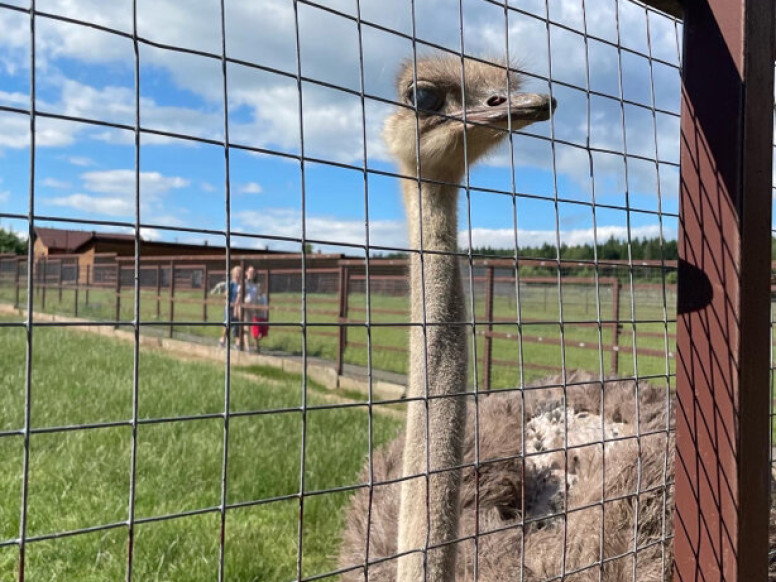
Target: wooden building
88	249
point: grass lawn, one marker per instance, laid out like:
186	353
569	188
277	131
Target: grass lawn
81	478
541	349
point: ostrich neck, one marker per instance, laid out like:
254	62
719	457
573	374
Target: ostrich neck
435	285
437	368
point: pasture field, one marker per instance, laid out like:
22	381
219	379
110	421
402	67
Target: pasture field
540	341
80	477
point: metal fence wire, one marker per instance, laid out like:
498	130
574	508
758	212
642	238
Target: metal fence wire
481	385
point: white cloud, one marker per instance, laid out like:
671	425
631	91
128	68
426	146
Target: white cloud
123	182
152	234
108	205
54	183
82	161
112	193
117	105
250	188
111	104
287	222
15	99
15	132
5	195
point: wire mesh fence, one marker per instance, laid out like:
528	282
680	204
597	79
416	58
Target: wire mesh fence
167	414
336	288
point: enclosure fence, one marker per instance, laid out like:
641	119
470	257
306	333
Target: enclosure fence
619	411
336	287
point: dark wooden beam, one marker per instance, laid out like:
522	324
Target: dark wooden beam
672	7
723	322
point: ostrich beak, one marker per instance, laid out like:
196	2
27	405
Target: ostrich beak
526	107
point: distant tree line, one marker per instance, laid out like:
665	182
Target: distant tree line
10	242
650	249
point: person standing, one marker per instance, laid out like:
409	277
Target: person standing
233	290
251	300
256	302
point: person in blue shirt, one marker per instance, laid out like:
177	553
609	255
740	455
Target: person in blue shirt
233	289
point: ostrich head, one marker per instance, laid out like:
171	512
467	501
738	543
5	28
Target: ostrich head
489	101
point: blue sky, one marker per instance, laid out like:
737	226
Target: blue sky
86	171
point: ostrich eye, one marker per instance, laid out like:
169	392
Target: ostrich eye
428	98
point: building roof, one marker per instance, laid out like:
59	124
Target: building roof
71	240
75	241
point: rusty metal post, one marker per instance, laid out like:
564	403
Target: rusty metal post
88	278
722	425
171	313
266	290
43	285
204	293
158	291
266	293
59	282
615	366
118	294
17	283
342	340
488	347
240	310
75	289
36	271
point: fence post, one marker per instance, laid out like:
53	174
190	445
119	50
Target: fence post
488	347
240	311
40	277
205	291
266	292
172	295
75	288
342	292
88	278
723	325
59	281
158	291
118	294
43	285
17	283
615	365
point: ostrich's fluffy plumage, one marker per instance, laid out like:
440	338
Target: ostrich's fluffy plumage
505	481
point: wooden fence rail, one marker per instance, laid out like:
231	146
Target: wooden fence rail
186	282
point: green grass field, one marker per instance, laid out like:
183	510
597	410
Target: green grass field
81	478
541	349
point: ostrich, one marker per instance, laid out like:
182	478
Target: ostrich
509	490
438	104
420	526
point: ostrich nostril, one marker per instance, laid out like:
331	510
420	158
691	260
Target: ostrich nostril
496	100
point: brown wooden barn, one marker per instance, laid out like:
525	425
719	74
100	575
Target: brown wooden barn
90	248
